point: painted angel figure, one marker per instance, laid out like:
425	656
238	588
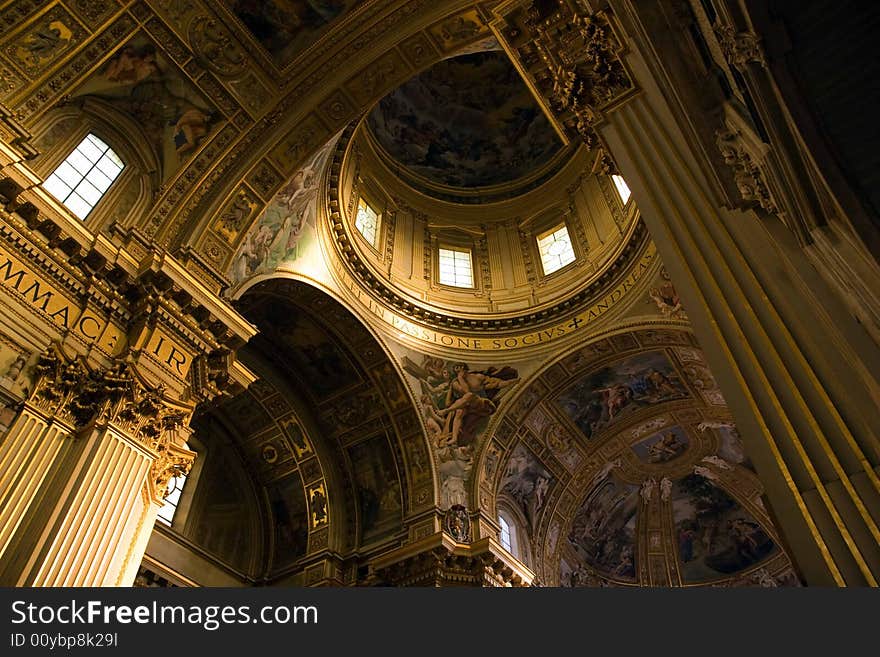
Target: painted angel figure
667	300
717	461
472	396
665	489
605	471
647	490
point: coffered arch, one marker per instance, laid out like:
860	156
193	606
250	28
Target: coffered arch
341	371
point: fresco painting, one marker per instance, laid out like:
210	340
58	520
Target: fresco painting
603	532
716	536
287	228
294	433
141	82
663	446
731	449
317	361
456	401
378	486
601	398
466	122
318	513
528	482
290	519
46	41
287	27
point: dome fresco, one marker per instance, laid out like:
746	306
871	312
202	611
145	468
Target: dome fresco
467	122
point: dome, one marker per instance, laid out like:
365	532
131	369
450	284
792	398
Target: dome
467	122
459	206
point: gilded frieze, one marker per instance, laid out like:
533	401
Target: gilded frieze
252	94
16	13
216	48
94	12
10	80
459	30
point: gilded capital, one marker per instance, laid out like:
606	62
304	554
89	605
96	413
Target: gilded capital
173	461
571	58
748	175
740	48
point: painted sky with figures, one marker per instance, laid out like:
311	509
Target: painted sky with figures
468	122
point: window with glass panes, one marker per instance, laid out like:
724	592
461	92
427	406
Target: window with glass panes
85	175
622	188
555	249
505	534
367	222
455	267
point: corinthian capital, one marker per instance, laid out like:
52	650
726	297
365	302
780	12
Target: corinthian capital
740	48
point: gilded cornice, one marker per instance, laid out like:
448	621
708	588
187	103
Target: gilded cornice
12	132
96	289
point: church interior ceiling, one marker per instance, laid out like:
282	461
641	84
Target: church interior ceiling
285	230
327	431
287	27
578	402
141	81
623	466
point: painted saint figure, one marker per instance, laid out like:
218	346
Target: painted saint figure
471	397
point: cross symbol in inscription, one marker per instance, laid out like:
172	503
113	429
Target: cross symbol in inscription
575	323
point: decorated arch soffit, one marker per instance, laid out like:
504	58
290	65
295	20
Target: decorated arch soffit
285	458
342	383
625	468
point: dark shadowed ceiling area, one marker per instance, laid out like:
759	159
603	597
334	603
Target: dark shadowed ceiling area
467	122
287	27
